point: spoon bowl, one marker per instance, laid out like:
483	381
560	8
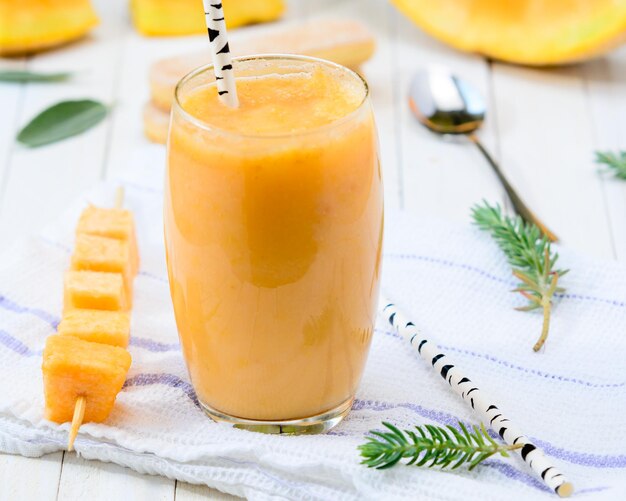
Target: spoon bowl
446	104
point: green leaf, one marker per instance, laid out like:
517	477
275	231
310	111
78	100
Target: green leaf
433	447
614	162
19	76
530	255
62	120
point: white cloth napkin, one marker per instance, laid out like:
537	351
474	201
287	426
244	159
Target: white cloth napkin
452	281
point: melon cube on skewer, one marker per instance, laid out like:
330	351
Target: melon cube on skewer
97	326
111	223
96	253
94	290
74	368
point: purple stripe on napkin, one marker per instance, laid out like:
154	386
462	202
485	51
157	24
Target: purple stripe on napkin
9	305
153	346
165	379
463	266
511	365
16	345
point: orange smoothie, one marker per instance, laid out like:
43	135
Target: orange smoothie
273	226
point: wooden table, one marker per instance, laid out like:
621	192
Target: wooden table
543	125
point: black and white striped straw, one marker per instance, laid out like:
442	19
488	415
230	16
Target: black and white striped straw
222	64
488	410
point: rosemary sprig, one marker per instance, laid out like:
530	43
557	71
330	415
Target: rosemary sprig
615	162
431	446
530	255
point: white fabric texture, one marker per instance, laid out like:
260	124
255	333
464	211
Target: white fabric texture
454	283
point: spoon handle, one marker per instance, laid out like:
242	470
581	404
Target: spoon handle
520	207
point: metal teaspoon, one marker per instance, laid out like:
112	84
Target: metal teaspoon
445	104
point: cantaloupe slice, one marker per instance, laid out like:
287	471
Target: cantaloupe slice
97	326
94	290
32	25
534	32
185	17
74	368
111	223
96	253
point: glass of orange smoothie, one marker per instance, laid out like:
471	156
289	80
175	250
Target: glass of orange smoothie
273	230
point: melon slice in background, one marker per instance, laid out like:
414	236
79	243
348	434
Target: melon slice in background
28	26
186	17
532	32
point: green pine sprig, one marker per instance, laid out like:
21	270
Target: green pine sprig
614	162
431	446
529	253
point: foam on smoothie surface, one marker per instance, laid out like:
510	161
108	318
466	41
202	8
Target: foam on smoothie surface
267	103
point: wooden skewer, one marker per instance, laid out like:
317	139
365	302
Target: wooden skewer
119	197
77	420
81	402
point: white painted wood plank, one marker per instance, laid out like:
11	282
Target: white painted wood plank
39	182
190	492
546	143
11	100
605	79
441	177
29	479
296	9
97	481
379	72
307	9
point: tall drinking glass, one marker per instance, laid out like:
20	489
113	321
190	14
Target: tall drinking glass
273	231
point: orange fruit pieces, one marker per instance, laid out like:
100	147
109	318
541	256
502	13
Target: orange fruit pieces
533	32
111	223
96	253
97	326
94	290
182	17
74	368
29	26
